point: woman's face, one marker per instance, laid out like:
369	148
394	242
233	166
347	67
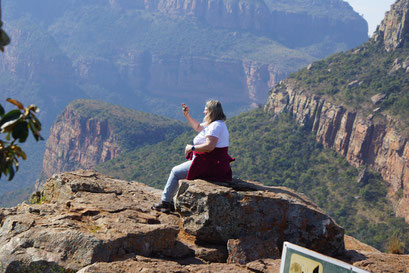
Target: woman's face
205	111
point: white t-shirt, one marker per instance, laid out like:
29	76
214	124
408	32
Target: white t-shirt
217	129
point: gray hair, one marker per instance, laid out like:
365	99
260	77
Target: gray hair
215	111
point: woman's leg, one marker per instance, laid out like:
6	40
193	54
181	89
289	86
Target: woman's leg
178	172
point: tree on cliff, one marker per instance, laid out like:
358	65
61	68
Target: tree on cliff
16	124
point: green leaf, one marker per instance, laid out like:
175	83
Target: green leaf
20	153
36	122
11	172
34	130
4	39
12	115
32	127
8	126
20	131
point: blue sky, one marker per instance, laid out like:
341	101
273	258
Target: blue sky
372	10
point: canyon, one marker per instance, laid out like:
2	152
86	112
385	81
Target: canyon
363	142
150	55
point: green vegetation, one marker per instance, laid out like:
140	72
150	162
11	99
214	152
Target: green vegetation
160	33
16	124
277	152
353	77
37	198
132	128
337	10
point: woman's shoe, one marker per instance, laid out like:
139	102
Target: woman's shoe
164	206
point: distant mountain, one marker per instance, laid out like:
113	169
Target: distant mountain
152	55
357	102
140	53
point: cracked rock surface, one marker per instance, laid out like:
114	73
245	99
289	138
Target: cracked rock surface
87	222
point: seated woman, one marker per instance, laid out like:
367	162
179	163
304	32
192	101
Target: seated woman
207	157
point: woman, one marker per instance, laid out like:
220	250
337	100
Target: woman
207	157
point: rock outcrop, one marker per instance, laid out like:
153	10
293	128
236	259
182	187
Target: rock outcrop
249	213
394	29
87	222
77	141
361	140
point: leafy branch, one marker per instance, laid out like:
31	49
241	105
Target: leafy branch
16	124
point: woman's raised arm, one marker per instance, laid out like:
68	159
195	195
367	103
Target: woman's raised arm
192	122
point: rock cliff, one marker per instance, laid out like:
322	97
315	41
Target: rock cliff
289	22
77	141
164	75
364	142
86	222
394	29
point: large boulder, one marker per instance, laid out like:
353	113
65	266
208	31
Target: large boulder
249	212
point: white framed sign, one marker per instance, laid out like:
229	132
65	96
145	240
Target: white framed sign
297	259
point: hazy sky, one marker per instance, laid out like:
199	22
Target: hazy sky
372	10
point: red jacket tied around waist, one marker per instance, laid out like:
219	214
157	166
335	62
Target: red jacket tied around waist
212	166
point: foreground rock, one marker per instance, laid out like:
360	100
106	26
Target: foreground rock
88	222
84	219
255	220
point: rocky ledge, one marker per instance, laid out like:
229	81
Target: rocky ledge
86	222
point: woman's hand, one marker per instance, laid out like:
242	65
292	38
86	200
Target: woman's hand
185	109
188	149
208	146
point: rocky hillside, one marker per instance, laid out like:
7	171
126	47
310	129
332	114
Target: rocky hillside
356	102
89	132
86	222
394	29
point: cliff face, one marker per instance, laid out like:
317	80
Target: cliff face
87	222
176	76
78	142
361	140
394	29
164	75
292	26
90	132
